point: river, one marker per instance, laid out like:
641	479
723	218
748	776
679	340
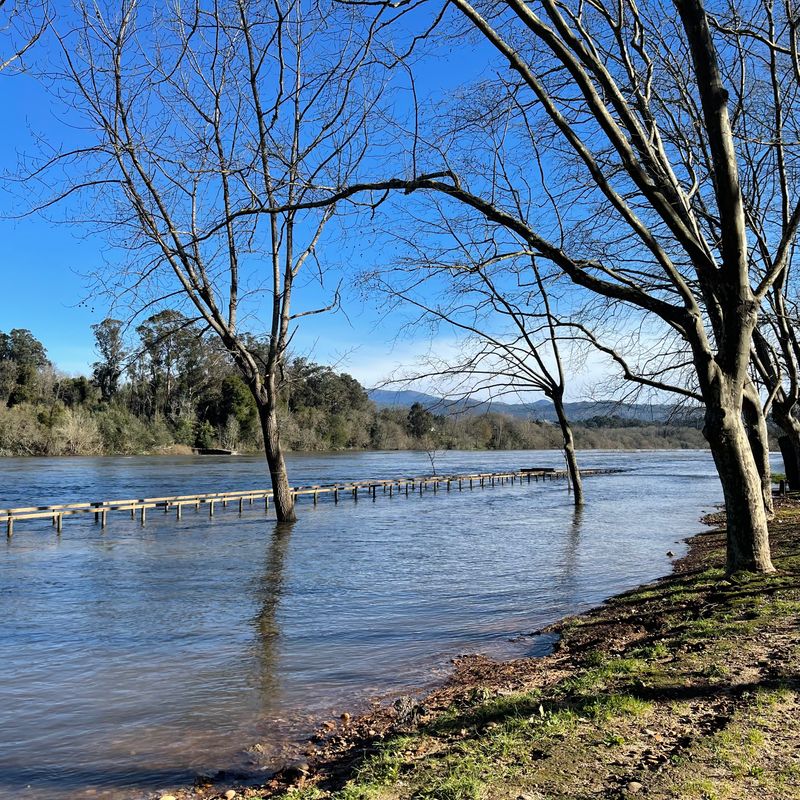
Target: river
134	659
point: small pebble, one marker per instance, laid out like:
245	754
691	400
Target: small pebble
329	726
634	787
168	797
230	794
346	718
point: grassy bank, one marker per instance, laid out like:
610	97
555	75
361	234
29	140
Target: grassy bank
684	688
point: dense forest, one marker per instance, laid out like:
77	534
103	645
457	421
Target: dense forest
173	388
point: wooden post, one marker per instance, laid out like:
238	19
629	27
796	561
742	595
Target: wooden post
211	508
241	505
355	493
336	495
266	504
406	488
103	518
10	527
391	489
166	506
133	513
178	508
59	523
144	515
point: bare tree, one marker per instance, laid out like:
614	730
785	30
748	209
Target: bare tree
498	301
668	135
776	358
210	128
21	26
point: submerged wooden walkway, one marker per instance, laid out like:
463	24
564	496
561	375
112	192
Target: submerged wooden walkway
213	500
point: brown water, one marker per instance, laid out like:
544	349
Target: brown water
135	659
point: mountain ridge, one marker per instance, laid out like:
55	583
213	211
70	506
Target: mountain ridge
540	409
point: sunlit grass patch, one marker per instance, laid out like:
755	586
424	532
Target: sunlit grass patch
455	786
385	765
607	707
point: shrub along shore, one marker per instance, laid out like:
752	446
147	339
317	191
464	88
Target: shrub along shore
686	687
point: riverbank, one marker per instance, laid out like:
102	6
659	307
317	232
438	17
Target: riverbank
686	687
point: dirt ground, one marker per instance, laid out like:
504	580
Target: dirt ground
684	688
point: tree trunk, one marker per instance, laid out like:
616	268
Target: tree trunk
789	444
281	492
748	536
757	435
569	450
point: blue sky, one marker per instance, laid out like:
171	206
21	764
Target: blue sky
44	263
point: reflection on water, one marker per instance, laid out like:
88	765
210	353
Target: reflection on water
268	590
135	658
572	546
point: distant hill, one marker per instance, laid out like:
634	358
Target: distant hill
541	409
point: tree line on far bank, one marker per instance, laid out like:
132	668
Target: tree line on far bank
174	389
